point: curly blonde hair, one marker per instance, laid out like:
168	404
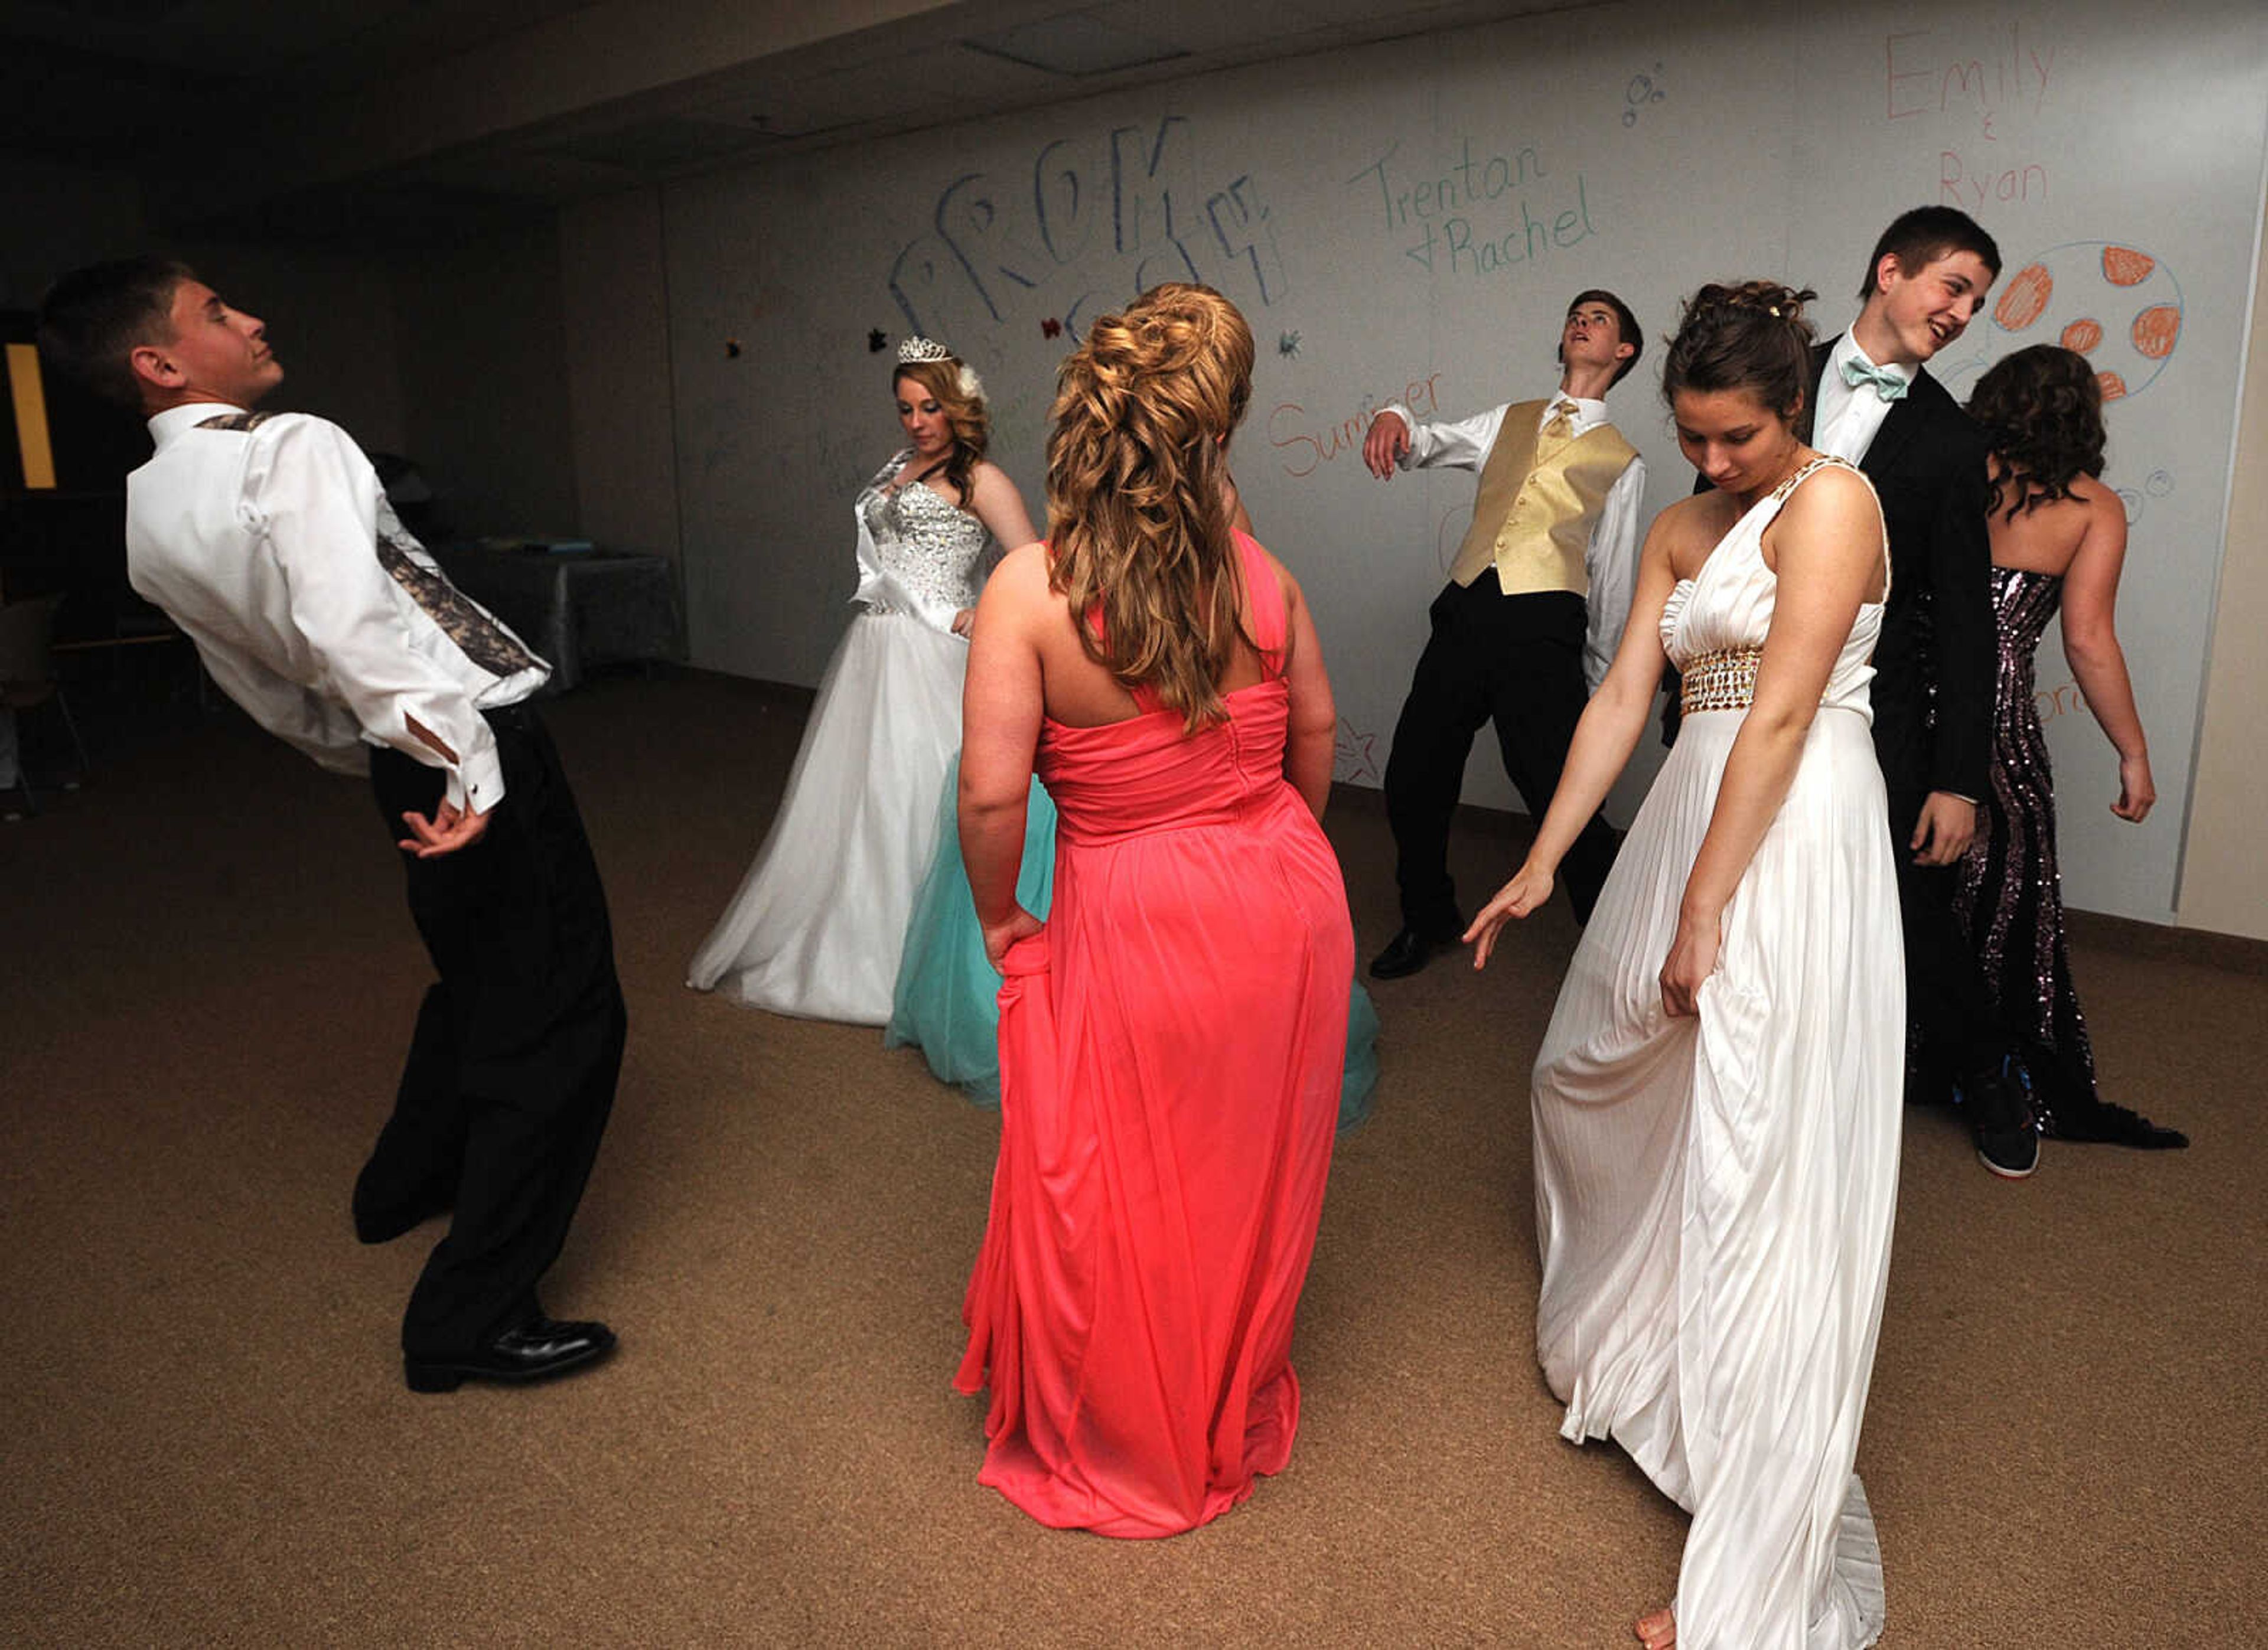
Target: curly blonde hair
1138	519
970	423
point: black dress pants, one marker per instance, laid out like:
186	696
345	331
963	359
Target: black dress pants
512	1068
1951	1029
1517	661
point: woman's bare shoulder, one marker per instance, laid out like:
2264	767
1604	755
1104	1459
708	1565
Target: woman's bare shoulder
1687	530
1022	573
1833	495
2099	498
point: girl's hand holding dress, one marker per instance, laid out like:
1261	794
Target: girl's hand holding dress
1692	959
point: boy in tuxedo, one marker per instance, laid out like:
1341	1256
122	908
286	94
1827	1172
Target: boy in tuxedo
1876	404
269	539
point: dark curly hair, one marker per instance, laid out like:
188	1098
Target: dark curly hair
2041	411
1747	335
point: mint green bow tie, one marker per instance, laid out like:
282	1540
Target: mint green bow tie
1887	384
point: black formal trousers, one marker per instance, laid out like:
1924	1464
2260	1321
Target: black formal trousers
1516	661
1951	1029
1934	666
512	1068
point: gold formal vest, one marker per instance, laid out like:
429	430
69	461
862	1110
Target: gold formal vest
1538	500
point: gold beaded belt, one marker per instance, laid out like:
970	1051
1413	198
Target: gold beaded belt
1722	681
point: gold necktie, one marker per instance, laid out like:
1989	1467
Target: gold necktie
1558	429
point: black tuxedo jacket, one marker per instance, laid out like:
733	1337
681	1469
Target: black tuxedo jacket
1934	664
1935	660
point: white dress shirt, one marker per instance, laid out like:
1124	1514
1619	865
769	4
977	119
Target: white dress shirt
1610	558
262	544
1849	416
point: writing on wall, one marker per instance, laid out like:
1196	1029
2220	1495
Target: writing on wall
1490	212
1305	442
1090	222
1983	86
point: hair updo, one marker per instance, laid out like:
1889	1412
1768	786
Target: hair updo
1137	516
2041	411
1750	335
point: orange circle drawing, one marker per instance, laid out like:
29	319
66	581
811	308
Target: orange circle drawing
2123	266
2025	298
2113	385
2082	336
2155	330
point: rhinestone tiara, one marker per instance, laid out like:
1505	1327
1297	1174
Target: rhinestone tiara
915	349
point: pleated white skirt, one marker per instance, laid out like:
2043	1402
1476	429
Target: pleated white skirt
1714	1194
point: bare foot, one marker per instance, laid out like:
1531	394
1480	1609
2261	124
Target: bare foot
1657	1630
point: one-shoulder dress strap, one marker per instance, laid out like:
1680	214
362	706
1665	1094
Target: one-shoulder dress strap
1826	461
1805	472
1263	597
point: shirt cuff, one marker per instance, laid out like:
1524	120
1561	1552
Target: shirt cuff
477	784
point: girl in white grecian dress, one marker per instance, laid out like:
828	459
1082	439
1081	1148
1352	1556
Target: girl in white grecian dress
819	922
1716	1101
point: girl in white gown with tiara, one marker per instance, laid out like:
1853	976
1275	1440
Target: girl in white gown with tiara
819	922
1716	1104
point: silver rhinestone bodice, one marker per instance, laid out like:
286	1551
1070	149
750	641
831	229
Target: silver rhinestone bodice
925	542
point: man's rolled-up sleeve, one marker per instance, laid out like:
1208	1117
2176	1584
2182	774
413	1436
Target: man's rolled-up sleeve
317	500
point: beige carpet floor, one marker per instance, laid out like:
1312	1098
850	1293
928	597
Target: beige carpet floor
209	977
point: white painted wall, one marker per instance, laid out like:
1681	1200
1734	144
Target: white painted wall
1657	145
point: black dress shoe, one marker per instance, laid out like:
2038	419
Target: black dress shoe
1406	952
531	1351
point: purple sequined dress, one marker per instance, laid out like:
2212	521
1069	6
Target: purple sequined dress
2011	897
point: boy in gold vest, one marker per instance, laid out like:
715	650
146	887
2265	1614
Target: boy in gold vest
1530	618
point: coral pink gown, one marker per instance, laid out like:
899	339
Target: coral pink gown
1170	1054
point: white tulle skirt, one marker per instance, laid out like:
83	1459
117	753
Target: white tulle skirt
819	920
1714	1194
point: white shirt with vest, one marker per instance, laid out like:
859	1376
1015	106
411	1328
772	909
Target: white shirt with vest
263	543
1611	554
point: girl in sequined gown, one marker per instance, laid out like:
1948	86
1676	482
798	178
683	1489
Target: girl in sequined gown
816	926
2058	542
1716	1101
